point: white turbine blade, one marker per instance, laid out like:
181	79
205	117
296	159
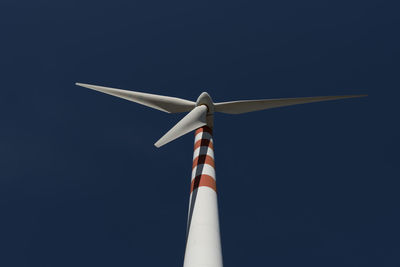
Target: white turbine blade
164	103
243	106
193	120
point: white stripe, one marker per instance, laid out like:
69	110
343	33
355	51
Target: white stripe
202	135
203	169
203	150
202	188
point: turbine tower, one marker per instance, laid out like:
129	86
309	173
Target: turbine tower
203	244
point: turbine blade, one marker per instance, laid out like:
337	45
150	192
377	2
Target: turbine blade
164	103
244	106
193	120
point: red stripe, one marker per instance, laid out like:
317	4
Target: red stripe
203	159
204	129
203	180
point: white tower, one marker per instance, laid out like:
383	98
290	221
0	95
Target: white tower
203	245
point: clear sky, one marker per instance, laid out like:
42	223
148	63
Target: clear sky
81	183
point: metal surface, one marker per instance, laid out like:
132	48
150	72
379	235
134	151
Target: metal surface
203	244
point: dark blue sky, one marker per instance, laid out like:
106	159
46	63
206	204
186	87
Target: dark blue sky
81	183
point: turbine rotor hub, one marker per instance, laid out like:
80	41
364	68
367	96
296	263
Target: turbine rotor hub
205	99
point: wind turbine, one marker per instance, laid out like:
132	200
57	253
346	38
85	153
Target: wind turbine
203	244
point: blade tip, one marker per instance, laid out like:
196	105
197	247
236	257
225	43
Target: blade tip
358	96
157	144
81	84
